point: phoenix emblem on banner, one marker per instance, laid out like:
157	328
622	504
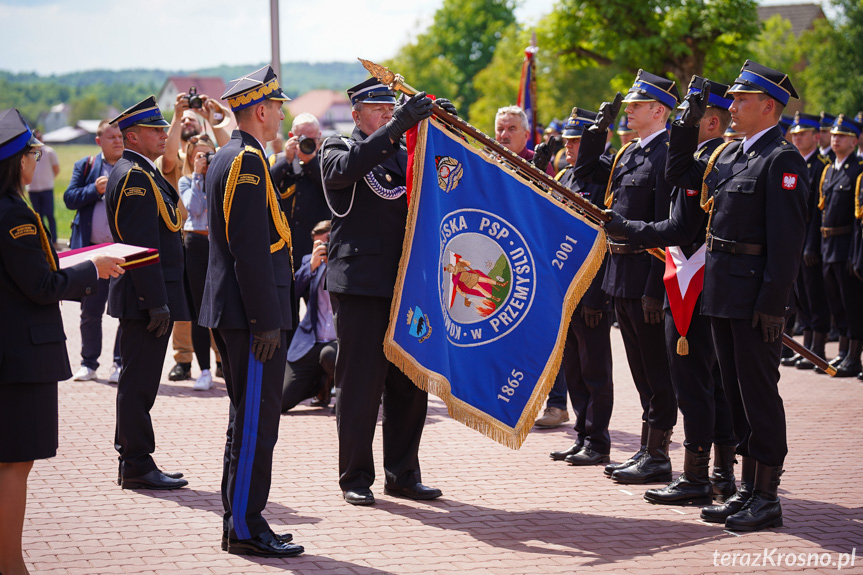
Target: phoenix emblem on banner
449	172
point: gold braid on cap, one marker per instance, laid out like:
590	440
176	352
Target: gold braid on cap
609	195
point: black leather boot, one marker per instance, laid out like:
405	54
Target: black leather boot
819	338
850	366
692	487
843	351
612	467
762	509
719	513
571	450
654	465
723	472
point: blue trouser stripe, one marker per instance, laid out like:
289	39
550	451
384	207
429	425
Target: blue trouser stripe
251	415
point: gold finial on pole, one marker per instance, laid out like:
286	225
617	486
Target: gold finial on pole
395	81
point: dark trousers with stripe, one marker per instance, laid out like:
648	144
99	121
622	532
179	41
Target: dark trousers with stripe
698	385
750	374
255	391
587	366
363	375
648	362
142	356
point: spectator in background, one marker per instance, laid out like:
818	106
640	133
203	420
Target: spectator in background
312	353
297	175
41	190
512	131
199	150
186	124
86	194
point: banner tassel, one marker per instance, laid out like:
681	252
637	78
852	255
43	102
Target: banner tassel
682	346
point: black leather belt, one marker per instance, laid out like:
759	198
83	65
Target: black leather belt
840	231
715	244
622	249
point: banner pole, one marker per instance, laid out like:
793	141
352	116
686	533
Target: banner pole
584	207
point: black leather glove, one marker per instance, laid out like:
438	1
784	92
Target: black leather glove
447	106
408	115
591	316
544	152
652	307
608	112
160	320
616	226
810	259
264	344
771	325
693	113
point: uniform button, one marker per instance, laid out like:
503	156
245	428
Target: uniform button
254	321
141	298
88	291
752	272
356	250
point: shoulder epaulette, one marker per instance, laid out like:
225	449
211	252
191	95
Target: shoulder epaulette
824	159
609	195
559	175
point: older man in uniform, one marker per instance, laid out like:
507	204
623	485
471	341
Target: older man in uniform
636	188
248	301
691	355
142	210
587	353
364	183
757	213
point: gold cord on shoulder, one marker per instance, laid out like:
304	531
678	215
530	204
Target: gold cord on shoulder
46	243
609	195
858	209
172	225
821	188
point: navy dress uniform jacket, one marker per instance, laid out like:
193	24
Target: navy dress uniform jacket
249	279
640	193
760	198
136	217
82	196
816	165
836	200
32	340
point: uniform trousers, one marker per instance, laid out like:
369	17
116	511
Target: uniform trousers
587	365
834	274
698	385
363	376
850	291
197	256
92	310
815	298
750	375
143	355
255	391
304	377
648	362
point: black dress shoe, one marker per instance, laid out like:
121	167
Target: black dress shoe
180	372
173	474
359	496
587	456
267	544
571	450
417	491
284	538
153	480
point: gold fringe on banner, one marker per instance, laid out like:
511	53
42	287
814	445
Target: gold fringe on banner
682	345
436	383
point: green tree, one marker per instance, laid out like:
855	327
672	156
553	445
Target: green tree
88	107
460	42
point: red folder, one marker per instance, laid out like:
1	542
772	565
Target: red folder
135	256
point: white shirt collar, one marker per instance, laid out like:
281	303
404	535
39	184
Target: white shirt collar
146	159
749	142
810	154
643	143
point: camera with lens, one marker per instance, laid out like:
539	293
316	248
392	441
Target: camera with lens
307	145
195	101
209	156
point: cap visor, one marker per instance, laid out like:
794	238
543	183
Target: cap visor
636	97
33	142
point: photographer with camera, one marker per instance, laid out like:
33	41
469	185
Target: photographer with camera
199	152
297	175
184	125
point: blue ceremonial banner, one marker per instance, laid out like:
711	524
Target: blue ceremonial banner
491	271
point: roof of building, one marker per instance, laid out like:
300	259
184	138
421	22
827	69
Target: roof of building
317	102
801	16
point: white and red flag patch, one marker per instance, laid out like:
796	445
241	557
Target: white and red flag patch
789	181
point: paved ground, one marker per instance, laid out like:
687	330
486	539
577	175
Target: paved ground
503	511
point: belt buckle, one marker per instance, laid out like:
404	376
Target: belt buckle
710	242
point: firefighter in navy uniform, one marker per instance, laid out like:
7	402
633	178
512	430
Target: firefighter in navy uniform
364	183
636	188
142	211
694	370
248	302
756	192
813	310
587	353
836	199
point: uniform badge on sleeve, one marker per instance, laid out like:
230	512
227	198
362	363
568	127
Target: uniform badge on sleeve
248	179
789	181
135	192
23	230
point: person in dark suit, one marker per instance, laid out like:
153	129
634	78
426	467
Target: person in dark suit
142	211
587	353
756	192
837	195
312	352
636	188
813	310
86	194
33	355
249	303
691	354
364	183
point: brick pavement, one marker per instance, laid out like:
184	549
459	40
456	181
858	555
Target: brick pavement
503	511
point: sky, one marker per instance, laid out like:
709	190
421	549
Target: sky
60	36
